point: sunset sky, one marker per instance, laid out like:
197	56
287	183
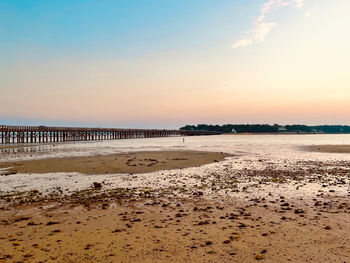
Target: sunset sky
167	63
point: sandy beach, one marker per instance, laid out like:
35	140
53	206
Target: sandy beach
138	162
174	230
226	208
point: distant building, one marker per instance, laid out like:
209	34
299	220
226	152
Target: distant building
282	129
233	131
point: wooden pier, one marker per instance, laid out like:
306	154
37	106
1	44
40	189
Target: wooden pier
44	134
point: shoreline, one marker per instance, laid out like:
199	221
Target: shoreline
15	145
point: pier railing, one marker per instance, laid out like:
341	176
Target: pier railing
43	134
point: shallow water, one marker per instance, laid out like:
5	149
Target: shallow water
276	146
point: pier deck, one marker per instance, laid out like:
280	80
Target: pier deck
43	134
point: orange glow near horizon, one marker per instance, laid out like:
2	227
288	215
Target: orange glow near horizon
298	74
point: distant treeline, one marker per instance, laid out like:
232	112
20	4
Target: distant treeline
265	128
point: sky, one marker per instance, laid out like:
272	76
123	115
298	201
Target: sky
165	64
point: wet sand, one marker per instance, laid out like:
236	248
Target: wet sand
174	231
138	162
328	148
165	229
245	210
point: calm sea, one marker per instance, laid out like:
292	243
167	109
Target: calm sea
271	146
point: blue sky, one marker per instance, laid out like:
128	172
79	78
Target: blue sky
169	63
119	28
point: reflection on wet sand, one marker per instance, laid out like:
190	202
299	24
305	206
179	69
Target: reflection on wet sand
33	152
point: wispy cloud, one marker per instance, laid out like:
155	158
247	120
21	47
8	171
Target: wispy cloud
261	27
255	35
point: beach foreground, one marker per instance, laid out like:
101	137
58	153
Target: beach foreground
238	208
175	230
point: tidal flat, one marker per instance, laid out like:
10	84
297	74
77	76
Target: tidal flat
266	201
